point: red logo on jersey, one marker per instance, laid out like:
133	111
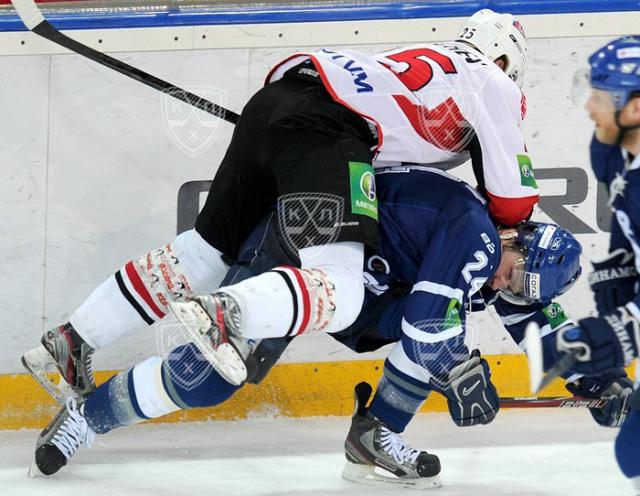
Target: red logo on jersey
443	126
523	106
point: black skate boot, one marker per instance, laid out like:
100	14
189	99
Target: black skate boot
62	349
376	455
59	441
213	323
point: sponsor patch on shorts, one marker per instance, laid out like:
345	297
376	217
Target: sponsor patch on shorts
364	200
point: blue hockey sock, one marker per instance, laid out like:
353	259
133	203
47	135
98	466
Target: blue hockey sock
397	398
155	388
192	382
113	404
628	445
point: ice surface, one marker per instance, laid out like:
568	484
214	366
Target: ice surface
522	453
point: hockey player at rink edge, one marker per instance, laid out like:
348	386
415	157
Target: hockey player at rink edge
612	339
316	129
439	256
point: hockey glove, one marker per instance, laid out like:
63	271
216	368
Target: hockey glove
601	343
614	386
613	280
471	397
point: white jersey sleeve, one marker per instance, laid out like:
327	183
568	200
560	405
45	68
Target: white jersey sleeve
509	182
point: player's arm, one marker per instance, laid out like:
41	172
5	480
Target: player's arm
606	161
612	339
614	276
432	354
500	159
550	317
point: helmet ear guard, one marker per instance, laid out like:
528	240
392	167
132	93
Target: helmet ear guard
498	35
552	262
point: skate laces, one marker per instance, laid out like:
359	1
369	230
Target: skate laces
74	432
393	444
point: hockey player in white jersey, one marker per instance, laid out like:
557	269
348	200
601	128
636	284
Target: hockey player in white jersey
308	121
443	103
306	134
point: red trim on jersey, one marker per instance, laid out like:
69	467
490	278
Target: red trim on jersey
509	211
523	106
306	303
330	90
140	288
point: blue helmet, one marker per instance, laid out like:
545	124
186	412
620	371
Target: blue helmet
615	68
551	261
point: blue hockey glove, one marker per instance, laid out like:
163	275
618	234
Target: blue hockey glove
602	343
613	280
471	397
614	386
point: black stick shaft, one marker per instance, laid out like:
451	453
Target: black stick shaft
46	30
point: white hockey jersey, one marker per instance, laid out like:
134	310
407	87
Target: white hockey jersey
430	104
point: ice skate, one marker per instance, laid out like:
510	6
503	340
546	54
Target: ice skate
212	322
378	456
62	351
59	441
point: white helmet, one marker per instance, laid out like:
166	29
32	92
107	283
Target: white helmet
497	35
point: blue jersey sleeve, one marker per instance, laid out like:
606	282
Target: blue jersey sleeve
461	256
626	206
606	161
549	316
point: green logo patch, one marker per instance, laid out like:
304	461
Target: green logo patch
526	171
363	190
452	315
555	315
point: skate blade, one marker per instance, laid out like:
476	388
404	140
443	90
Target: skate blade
39	363
376	476
225	359
34	471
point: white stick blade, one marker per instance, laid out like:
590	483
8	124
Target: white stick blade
28	12
533	347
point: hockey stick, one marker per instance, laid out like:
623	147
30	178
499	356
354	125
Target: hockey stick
36	23
537	377
553	402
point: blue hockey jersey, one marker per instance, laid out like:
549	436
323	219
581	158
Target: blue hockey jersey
624	196
437	248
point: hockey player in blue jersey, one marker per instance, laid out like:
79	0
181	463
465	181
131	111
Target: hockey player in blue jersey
438	247
612	339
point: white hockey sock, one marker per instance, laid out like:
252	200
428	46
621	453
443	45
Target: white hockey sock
326	294
139	292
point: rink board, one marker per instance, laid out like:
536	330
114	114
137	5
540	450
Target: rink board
95	172
293	390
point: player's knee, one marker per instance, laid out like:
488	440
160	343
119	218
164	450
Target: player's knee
339	266
201	263
349	299
627	452
191	382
